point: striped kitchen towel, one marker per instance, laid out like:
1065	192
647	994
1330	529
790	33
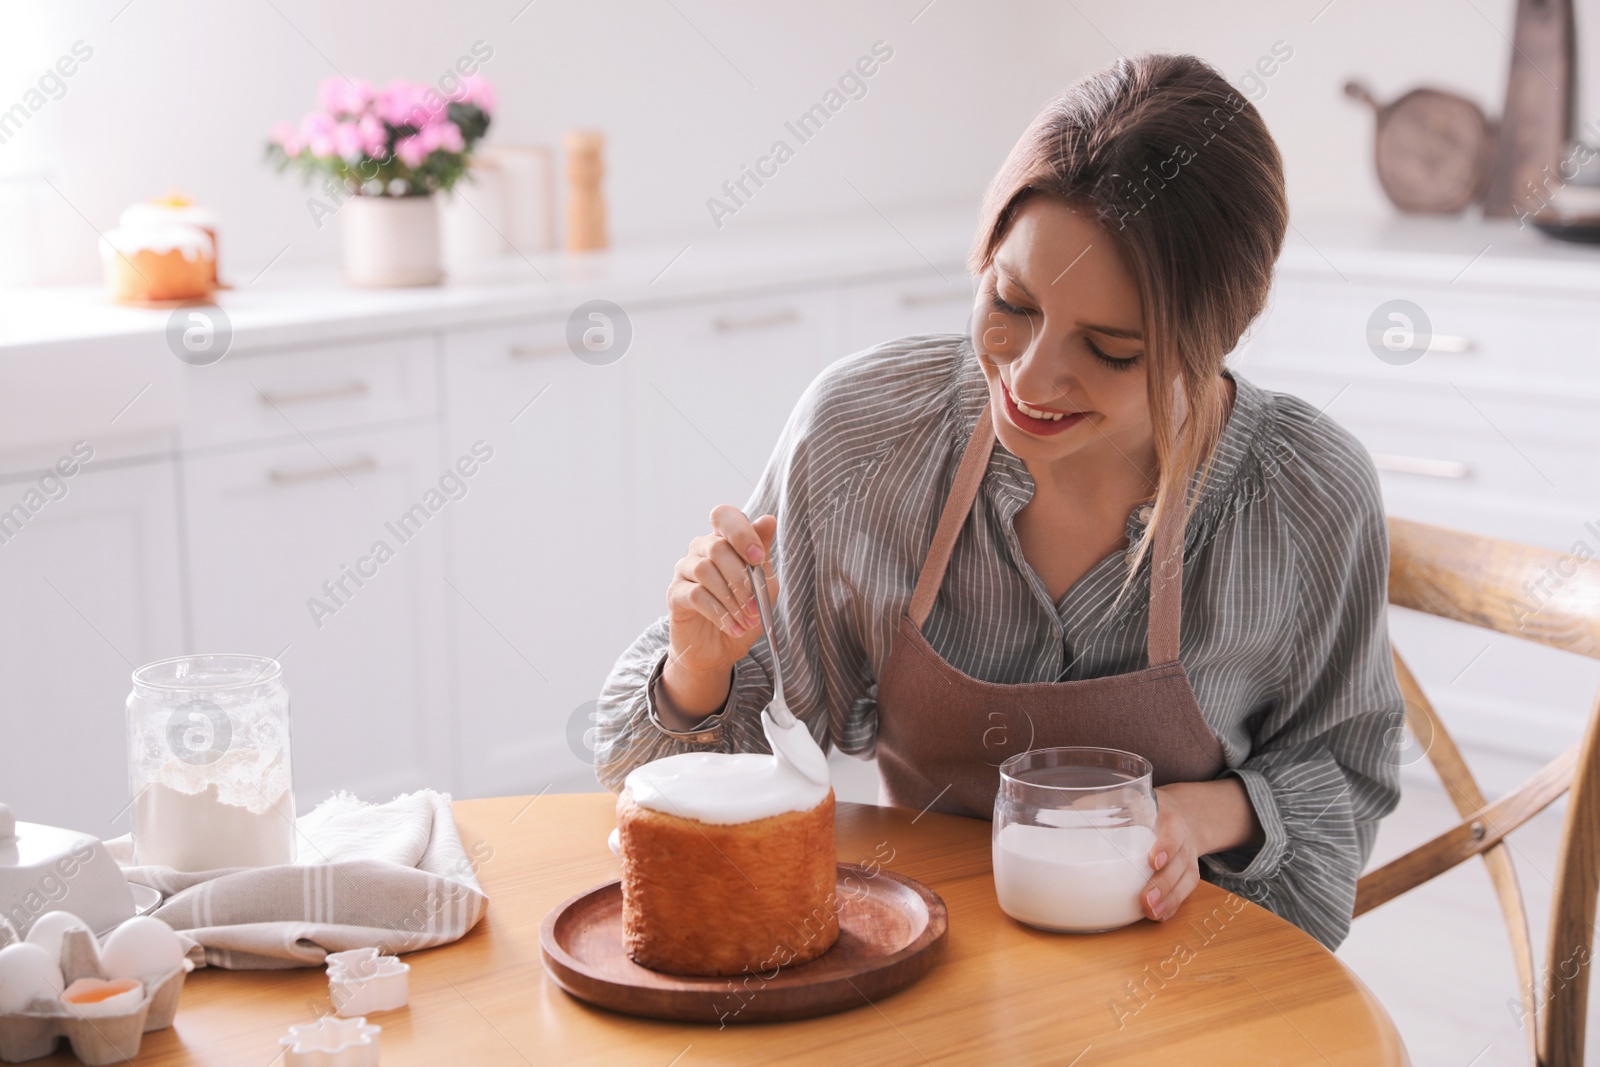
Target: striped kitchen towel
391	876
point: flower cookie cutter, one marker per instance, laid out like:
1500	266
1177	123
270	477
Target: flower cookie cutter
361	982
331	1042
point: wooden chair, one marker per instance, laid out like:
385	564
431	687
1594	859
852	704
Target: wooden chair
1493	584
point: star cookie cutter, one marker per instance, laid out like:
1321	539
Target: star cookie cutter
331	1042
361	982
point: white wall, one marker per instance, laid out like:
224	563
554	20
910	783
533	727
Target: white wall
183	93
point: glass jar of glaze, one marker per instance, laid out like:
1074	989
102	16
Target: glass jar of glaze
1072	833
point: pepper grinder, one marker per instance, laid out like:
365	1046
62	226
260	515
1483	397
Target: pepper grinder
586	208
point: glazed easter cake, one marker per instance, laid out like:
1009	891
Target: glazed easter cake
728	864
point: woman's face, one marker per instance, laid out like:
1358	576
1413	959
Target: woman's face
1058	327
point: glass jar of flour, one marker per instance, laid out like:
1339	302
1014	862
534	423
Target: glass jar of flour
208	763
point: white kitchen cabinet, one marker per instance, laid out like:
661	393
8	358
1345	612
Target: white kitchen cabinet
1491	432
714	384
541	574
874	312
91	589
270	532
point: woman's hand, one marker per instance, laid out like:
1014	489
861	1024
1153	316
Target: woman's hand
1175	857
1194	819
711	602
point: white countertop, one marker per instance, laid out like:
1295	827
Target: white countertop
285	307
1462	252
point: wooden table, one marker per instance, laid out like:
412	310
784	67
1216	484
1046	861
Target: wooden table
1222	982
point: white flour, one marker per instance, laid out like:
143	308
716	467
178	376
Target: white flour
205	817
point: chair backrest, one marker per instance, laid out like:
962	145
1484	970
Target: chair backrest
1552	598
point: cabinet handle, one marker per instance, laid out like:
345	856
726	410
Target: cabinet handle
1428	468
727	324
359	465
311	396
554	348
936	296
1449	344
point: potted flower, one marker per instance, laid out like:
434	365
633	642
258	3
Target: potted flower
383	154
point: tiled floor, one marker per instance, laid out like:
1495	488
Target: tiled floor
1438	958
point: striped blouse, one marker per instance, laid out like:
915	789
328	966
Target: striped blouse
1284	639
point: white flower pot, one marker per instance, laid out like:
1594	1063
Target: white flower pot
390	241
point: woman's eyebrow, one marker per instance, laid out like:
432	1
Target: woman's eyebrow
1011	276
1109	331
1113	331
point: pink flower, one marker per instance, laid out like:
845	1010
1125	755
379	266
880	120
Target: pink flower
475	89
411	150
284	135
400	104
341	96
317	131
447	135
374	138
438	107
347	140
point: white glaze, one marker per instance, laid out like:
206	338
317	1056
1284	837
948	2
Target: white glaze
795	745
192	241
1084	878
724	788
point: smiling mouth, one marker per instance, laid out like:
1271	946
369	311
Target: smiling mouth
1043	414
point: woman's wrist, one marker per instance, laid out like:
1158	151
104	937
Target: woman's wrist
685	698
1219	814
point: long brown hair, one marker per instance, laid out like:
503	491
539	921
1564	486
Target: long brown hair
1180	170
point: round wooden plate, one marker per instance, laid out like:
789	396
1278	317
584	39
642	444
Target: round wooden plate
891	932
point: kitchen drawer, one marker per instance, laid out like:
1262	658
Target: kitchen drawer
274	396
1520	340
492	375
882	311
1474	436
1480	463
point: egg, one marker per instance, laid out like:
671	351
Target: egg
96	996
47	931
140	946
27	971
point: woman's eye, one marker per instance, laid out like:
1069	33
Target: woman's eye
1115	363
1001	305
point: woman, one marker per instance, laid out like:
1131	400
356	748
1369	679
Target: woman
979	536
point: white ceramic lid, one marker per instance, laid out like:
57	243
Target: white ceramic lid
41	865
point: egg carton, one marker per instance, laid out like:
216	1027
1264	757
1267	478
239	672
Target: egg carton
97	1040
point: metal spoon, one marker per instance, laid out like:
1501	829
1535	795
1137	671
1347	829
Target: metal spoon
788	736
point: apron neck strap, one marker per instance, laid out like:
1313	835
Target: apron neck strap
1166	550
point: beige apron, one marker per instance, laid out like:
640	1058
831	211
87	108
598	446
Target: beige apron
942	734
